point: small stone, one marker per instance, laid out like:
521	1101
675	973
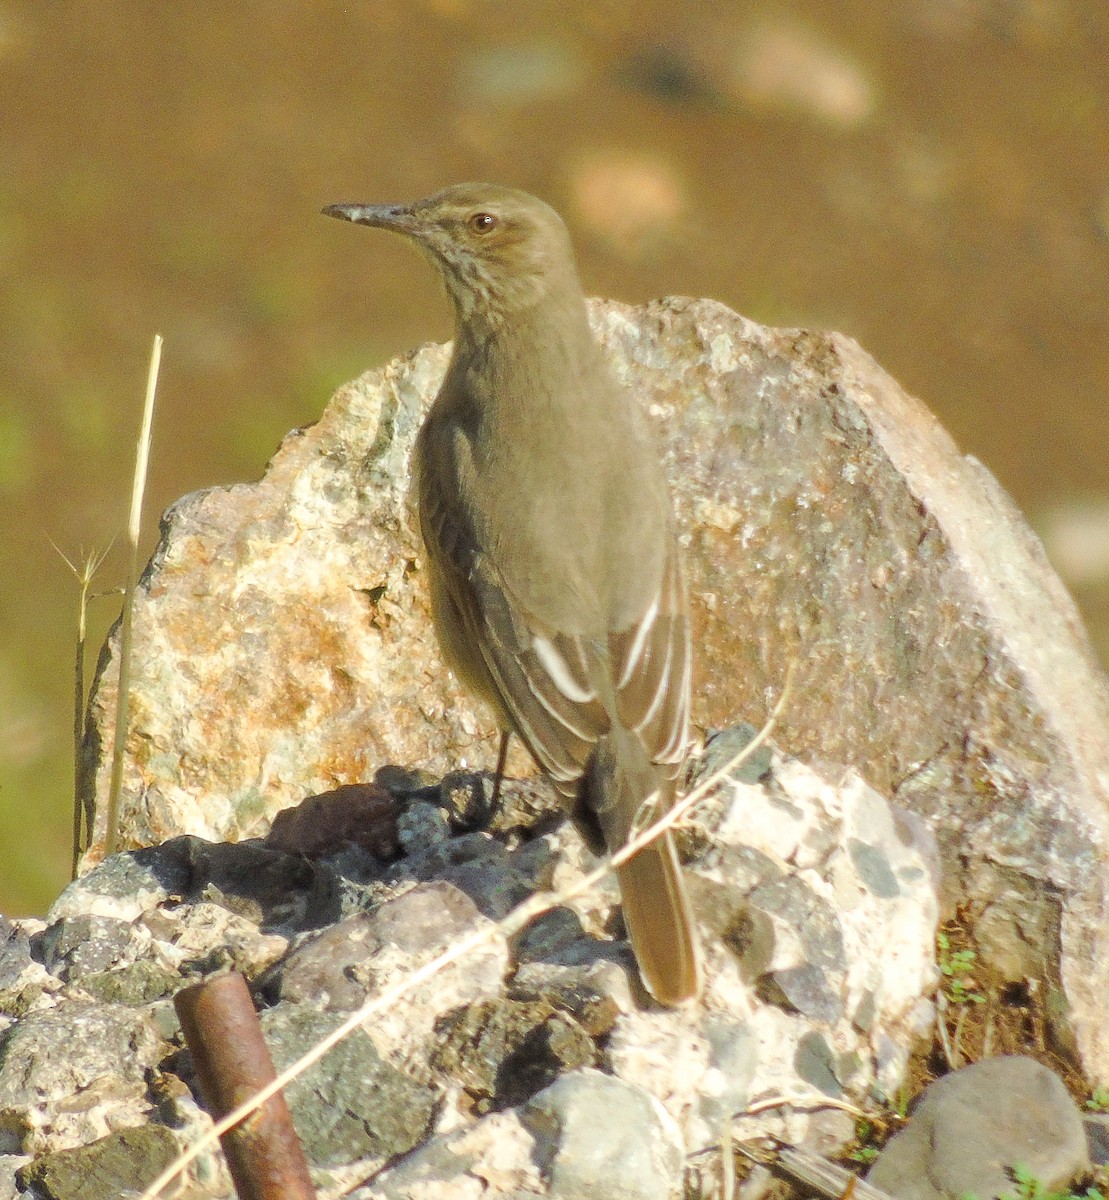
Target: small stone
802	989
816	1063
421	825
865	1012
318	971
751	937
733	1061
81	945
874	869
121	1162
969	1130
494	1157
360	813
138	984
504	1051
352	1105
722	747
599	1136
809	915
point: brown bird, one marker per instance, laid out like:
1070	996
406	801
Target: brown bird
555	576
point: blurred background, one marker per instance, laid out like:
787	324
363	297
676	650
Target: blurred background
929	176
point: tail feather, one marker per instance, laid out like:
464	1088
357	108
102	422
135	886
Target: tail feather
659	920
657	912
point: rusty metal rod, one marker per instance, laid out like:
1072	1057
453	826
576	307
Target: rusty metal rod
225	1038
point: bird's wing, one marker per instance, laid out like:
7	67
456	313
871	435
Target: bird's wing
541	678
652	669
547	680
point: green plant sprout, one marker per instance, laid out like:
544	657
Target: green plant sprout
957	967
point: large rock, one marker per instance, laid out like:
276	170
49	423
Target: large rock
282	643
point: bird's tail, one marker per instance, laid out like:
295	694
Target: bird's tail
660	922
657	912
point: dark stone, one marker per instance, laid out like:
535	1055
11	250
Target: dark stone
353	1104
873	869
722	746
751	938
124	1161
267	887
733	1052
552	936
810	916
816	1062
364	814
504	1051
318	971
82	945
969	1129
865	1012
140	983
802	989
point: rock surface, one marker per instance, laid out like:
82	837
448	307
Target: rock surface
494	1076
283	648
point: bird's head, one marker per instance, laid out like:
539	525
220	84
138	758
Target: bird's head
499	250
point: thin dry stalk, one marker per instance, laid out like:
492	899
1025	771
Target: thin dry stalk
90	564
727	1161
508	926
134	528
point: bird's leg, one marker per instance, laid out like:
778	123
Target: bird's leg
498	775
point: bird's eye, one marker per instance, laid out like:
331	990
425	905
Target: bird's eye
483	222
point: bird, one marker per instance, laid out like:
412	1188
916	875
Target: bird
554	569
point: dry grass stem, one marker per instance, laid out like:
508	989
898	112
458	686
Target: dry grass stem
134	527
508	926
90	564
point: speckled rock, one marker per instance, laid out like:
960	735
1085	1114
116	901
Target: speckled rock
52	1100
341	967
353	1106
